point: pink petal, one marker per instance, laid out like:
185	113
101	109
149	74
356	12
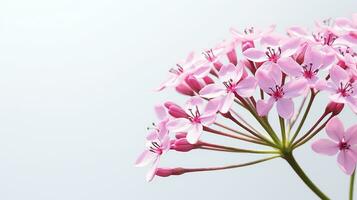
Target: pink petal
285	108
230	72
265	81
338	75
246	87
161	112
351	135
325	146
290	67
227	102
270	40
178	125
295	88
208	119
212	91
352	103
298	31
145	158
255	55
213	106
335	129
338	98
290	47
263	107
346	161
202	71
194	133
152	171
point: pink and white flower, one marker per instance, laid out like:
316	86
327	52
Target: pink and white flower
342	142
196	118
341	87
270	81
233	81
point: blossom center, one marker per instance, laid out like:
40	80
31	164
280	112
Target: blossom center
249	31
308	72
195	116
343	146
156	148
277	92
209	55
345	89
231	87
273	54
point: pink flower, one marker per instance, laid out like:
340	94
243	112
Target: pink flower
342	88
314	61
178	74
276	48
158	143
195	120
233	82
344	142
270	81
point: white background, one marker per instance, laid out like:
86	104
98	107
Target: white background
76	80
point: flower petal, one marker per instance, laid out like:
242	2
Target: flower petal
145	158
351	135
212	91
255	55
213	105
346	162
227	102
152	171
290	67
325	146
178	125
208	119
285	108
290	47
161	112
295	88
194	133
246	87
230	72
265	81
335	129
338	75
263	107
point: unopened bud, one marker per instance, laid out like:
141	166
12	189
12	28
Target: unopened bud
208	80
247	45
232	57
180	135
183	145
177	112
193	83
165	172
185	90
334	108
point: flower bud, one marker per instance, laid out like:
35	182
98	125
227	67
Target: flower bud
177	112
193	83
168	104
165	172
183	145
247	45
208	80
334	108
180	135
232	57
185	90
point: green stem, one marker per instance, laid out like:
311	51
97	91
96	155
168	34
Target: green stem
292	162
282	128
312	97
352	182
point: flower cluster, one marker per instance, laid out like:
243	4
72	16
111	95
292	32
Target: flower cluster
257	70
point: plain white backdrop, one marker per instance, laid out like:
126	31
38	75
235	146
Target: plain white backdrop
76	80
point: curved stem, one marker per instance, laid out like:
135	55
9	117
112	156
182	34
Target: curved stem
352	182
282	128
292	162
238	150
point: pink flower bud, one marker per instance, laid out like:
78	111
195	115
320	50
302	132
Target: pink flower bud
177	112
185	90
193	83
183	145
165	172
342	64
180	135
168	104
247	45
334	108
232	57
208	80
217	65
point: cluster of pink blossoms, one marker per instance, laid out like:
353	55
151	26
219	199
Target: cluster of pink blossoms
257	70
